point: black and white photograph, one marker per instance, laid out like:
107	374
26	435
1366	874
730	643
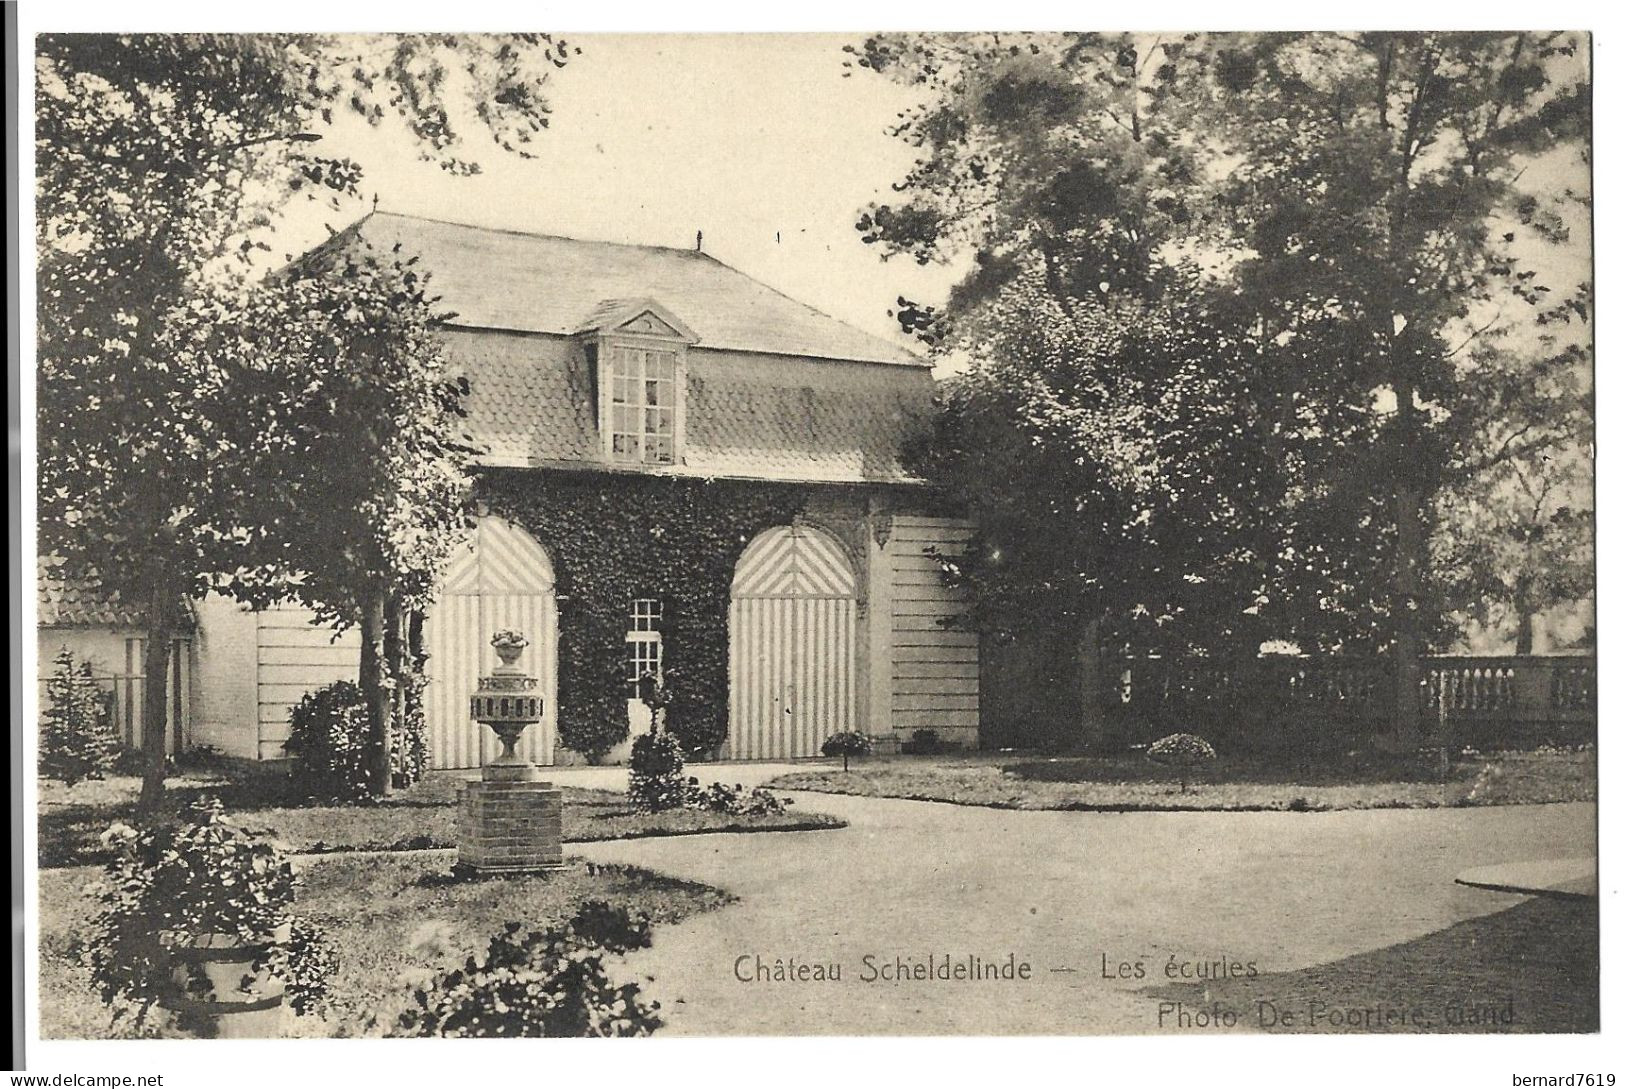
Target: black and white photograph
921	533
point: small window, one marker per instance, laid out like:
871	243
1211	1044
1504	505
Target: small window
643	405
643	647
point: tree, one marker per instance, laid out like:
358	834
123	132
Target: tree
162	161
77	740
1158	435
1379	190
362	471
1359	196
1151	454
1515	521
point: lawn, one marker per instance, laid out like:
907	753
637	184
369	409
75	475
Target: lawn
263	799
1131	782
381	912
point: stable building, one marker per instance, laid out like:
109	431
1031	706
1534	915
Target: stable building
684	472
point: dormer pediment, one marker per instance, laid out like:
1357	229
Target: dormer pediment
637	317
648	323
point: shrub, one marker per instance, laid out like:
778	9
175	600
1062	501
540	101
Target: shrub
1182	751
847	744
542	983
328	735
174	883
657	781
927	742
76	730
654	694
306	963
736	800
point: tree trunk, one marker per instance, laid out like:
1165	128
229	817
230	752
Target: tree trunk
161	611
1090	710
417	658
1526	619
1405	721
395	663
1407	707
375	690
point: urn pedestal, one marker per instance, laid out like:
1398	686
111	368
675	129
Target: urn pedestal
509	827
509	821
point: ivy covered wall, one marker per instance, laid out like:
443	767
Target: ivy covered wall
617	537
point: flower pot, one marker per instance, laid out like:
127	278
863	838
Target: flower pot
217	990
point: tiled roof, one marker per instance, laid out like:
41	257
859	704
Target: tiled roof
497	279
67	602
739	426
748	416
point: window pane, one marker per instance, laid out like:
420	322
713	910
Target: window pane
643	397
643	645
645	611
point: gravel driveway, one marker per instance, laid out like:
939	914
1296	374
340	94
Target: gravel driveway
1080	899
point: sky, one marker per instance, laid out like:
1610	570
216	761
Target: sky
755	140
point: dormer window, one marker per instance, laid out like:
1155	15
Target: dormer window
642	404
638	352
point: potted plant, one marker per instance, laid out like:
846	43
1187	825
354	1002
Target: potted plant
198	921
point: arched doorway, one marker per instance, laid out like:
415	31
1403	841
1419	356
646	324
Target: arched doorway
504	580
792	640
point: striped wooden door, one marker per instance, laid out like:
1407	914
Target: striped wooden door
504	580
792	637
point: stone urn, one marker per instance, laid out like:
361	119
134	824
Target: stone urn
508	701
508	821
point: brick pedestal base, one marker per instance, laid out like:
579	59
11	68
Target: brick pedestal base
509	827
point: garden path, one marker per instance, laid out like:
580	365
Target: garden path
1077	896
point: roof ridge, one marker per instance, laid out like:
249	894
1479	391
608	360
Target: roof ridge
543	234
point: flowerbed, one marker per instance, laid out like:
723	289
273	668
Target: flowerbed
261	800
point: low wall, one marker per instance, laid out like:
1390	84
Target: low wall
1486	701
